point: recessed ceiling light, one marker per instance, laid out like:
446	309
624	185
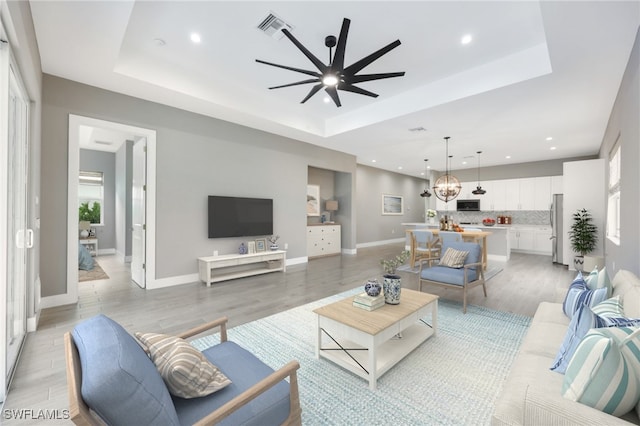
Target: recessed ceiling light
195	37
552	148
428	167
466	39
399	167
327	99
507	157
373	161
464	162
421	173
549	138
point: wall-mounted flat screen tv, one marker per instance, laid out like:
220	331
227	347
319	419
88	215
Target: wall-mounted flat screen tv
239	217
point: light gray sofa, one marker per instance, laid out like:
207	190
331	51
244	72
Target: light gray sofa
531	394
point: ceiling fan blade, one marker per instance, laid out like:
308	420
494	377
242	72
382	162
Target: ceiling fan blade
331	90
369	77
338	57
312	92
311	80
357	66
358	90
317	62
313	73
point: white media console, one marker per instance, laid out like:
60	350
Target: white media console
213	269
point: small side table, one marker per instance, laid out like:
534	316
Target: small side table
91	245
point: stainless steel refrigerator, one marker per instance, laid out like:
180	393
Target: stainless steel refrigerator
556	229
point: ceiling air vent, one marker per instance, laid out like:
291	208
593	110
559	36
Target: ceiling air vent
418	129
104	142
273	25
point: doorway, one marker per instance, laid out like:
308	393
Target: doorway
146	256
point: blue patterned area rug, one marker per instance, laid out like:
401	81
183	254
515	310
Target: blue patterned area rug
451	379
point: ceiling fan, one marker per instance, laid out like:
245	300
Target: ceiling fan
335	76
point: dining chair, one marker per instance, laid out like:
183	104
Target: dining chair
423	245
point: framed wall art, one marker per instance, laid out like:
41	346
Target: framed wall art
313	200
261	245
392	205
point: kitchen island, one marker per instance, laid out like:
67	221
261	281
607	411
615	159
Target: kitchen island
498	242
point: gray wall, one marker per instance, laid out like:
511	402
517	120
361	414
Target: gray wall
124	178
371	183
624	122
105	162
514	171
196	156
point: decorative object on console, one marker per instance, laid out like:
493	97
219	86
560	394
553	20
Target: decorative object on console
84	226
367	302
336	76
273	240
426	192
583	236
251	247
313	200
392	283
242	249
431	216
261	245
447	187
330	206
479	190
372	287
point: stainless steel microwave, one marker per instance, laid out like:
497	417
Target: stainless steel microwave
468	205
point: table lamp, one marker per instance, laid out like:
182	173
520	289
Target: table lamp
331	206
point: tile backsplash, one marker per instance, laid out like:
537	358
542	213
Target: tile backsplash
518	217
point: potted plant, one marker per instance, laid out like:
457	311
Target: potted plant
392	282
431	216
273	240
583	236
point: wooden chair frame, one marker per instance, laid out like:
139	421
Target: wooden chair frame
416	256
81	415
464	287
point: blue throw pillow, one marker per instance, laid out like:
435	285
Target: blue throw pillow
579	294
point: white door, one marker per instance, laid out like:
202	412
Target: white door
20	239
138	212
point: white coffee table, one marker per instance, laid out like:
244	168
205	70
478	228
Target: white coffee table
366	342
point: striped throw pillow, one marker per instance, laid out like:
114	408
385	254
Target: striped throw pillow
453	258
604	372
185	371
579	294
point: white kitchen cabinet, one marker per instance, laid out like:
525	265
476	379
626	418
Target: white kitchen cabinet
512	194
323	240
498	195
526	194
542	241
531	239
557	185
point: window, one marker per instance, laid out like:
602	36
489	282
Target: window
90	197
613	207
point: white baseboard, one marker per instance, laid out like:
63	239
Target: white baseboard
380	243
297	260
106	251
171	281
497	258
349	251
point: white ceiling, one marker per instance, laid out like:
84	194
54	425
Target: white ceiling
533	70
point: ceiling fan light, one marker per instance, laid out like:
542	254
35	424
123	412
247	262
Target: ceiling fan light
330	80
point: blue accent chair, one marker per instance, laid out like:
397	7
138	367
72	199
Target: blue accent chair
112	380
469	276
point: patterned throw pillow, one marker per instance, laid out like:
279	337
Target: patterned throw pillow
185	371
454	258
579	294
592	279
599	279
604	371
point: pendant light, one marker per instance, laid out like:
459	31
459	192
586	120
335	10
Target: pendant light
447	187
479	190
426	192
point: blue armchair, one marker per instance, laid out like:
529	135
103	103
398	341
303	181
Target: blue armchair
112	380
469	275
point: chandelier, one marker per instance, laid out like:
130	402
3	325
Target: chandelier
479	190
426	192
447	187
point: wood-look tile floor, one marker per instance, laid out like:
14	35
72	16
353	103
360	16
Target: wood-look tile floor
40	383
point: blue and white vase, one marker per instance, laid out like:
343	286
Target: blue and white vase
372	288
392	287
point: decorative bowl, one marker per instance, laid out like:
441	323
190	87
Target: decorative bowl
488	223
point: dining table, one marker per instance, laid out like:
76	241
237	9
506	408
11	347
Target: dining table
479	237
